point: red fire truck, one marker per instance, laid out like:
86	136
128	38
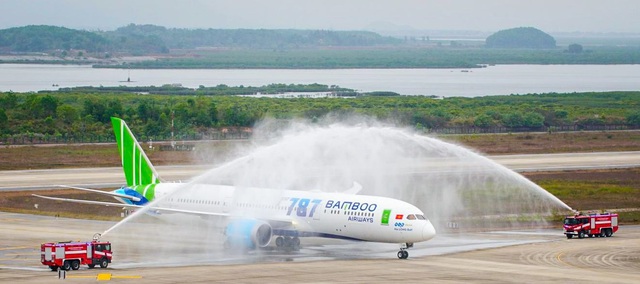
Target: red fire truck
70	255
592	225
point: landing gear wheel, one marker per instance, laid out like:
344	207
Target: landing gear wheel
104	263
295	242
403	254
66	265
279	241
75	265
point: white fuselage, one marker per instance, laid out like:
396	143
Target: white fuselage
333	215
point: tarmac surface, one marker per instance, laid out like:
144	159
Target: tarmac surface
541	256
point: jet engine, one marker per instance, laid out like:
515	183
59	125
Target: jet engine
248	233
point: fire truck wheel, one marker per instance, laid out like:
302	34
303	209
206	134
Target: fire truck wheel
53	268
104	263
91	265
580	235
608	233
75	265
569	236
601	234
66	265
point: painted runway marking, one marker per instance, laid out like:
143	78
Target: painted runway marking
105	276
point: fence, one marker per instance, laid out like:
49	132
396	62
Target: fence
34	139
29	139
561	128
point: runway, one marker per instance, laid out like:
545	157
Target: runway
113	177
543	256
514	256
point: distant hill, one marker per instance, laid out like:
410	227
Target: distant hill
252	38
45	38
146	39
525	37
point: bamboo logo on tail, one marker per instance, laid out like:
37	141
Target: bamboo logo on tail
138	170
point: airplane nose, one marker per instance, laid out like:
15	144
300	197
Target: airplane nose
428	231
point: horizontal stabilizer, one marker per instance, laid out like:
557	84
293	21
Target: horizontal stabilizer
110	193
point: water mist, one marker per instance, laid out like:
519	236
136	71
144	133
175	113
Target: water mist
450	183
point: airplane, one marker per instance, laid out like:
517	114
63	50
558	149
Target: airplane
286	215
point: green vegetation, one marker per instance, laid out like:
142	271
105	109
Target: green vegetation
149	39
214	91
78	113
398	57
46	38
216	48
251	39
521	38
597	190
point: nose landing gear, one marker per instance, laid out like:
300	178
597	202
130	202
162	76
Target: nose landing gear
403	254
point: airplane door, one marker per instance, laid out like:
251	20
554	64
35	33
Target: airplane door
227	204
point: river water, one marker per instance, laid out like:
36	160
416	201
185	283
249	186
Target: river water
493	80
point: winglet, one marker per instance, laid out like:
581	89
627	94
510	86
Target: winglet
137	168
354	189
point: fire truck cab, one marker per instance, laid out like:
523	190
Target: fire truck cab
70	255
592	225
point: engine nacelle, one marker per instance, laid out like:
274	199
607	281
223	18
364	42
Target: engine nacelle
248	233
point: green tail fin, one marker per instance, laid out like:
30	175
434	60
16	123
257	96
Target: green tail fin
138	170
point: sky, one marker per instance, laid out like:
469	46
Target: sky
599	16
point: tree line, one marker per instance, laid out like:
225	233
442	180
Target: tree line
75	113
244	48
150	39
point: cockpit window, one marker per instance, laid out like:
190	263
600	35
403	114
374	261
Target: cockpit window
411	217
420	217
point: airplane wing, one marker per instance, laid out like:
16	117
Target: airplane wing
155	209
110	193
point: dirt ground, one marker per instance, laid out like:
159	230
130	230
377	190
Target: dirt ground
106	154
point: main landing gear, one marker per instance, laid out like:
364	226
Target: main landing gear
288	243
403	254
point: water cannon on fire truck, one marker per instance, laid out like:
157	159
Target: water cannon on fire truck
591	225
